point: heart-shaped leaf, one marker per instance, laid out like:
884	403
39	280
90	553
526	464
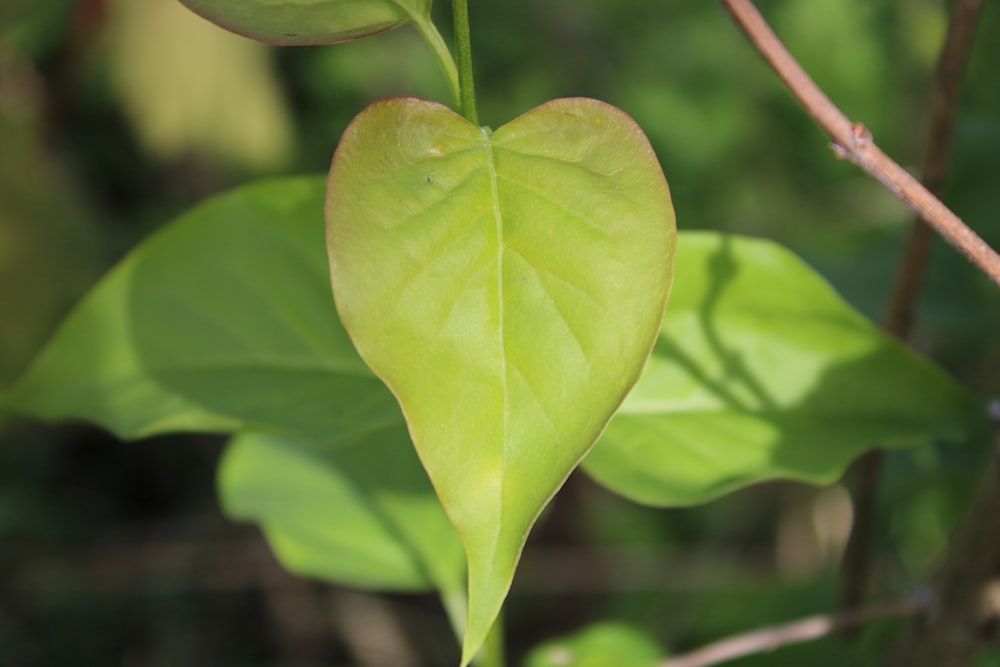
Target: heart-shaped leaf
299	22
507	286
762	371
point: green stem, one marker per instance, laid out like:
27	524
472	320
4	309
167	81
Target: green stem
433	37
492	654
463	47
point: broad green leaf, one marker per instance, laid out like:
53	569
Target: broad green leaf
762	371
298	22
600	645
507	286
222	320
362	513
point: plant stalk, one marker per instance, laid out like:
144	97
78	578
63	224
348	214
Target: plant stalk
766	640
852	141
430	33
463	47
902	309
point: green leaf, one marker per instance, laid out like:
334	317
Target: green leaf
362	513
507	286
299	22
600	645
762	371
222	320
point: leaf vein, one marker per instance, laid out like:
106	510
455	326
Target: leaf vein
536	395
563	206
559	277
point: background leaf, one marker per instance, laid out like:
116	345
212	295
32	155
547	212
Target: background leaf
762	371
600	645
362	513
507	286
222	320
289	22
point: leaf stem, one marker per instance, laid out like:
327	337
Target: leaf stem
430	33
463	47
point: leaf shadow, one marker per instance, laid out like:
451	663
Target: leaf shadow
723	269
733	419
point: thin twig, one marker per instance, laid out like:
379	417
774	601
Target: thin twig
936	160
808	629
854	570
852	141
901	312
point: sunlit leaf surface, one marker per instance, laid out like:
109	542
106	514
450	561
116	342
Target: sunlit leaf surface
508	287
762	371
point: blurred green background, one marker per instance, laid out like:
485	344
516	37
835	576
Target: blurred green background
116	115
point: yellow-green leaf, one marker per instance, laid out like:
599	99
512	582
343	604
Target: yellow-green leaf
508	287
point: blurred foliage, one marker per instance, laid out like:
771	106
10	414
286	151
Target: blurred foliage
47	248
600	645
83	176
188	87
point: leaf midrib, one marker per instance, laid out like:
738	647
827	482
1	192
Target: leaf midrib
491	170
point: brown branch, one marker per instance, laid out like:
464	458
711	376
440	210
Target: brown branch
808	629
856	564
934	165
852	141
901	312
